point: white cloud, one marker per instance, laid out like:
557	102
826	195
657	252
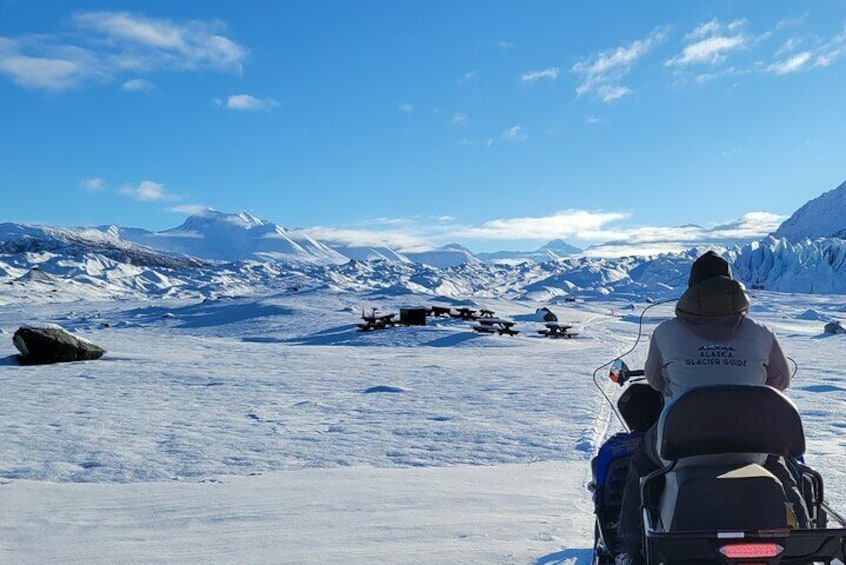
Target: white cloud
52	68
138	85
831	50
601	73
573	225
458	119
515	133
248	103
567	223
190	209
594	120
147	191
394	239
608	93
406	107
704	30
188	45
93	184
711	42
533	76
793	64
712	50
792	22
468	77
101	46
789	46
505	45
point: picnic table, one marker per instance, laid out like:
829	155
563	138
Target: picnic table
558	329
375	321
486	313
490	325
464	313
439	311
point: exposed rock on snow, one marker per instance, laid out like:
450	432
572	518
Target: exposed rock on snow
40	345
834	328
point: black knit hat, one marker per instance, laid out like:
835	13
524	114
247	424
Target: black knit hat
709	265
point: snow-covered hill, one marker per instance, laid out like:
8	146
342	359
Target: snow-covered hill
824	216
443	257
235	237
19	239
555	249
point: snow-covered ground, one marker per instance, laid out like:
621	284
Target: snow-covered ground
266	429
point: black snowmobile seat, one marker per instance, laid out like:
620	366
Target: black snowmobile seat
731	497
730	419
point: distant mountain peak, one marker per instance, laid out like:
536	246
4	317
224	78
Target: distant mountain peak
210	219
824	216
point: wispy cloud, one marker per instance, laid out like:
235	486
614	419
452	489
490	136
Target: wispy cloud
563	224
190	209
505	45
405	107
534	76
138	85
792	22
791	65
458	119
147	191
602	72
711	43
468	142
831	50
515	133
101	46
582	226
395	239
93	184
247	103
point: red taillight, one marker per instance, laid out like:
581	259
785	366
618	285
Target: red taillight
751	550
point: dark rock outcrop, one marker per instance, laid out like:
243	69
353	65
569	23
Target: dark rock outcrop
52	344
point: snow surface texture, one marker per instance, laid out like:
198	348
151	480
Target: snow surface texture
266	429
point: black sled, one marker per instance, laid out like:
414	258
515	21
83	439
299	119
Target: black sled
715	501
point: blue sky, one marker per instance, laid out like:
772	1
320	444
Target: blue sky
499	125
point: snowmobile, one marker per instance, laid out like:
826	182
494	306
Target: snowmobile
714	501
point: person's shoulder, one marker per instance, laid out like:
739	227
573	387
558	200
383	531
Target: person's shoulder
753	325
667	326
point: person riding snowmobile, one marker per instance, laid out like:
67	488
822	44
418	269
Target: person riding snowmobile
711	341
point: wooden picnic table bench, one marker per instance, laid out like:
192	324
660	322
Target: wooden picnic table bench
464	314
495	325
438	311
558	329
376	321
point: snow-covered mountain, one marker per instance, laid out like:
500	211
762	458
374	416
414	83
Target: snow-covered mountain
18	239
442	257
824	216
556	249
369	253
215	253
218	236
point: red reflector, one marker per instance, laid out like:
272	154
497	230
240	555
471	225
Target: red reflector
749	550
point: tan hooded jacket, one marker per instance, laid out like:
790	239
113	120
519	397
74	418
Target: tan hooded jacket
711	341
